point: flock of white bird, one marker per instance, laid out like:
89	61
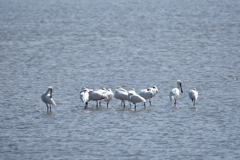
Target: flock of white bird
106	95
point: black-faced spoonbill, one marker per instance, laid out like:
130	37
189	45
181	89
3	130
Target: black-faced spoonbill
100	91
131	91
147	94
193	95
135	98
84	95
121	94
97	96
175	92
47	98
109	95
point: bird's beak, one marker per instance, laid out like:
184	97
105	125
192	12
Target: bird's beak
181	88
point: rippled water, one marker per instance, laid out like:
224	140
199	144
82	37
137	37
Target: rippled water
129	43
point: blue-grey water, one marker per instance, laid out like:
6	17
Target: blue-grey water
128	43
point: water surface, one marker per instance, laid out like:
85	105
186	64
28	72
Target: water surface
133	44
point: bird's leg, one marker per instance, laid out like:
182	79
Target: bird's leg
124	104
130	104
144	104
47	107
100	103
107	104
50	107
97	104
150	101
135	106
175	103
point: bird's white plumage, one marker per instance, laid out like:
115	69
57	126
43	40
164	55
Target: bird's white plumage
121	94
47	97
135	98
121	89
97	95
146	93
155	90
175	92
132	91
149	93
193	95
84	95
109	95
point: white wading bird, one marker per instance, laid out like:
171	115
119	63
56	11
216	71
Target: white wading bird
131	91
84	95
97	95
175	92
109	95
146	94
101	91
121	94
149	93
193	95
47	98
135	98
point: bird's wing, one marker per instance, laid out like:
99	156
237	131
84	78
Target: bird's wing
196	94
174	93
53	102
193	94
97	96
145	95
143	90
122	95
84	96
48	100
137	98
122	89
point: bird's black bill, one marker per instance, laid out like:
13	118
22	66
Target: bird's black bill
181	88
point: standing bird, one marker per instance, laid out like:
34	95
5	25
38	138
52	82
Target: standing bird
131	91
97	96
84	96
47	98
109	95
175	92
101	91
193	95
121	94
135	98
147	94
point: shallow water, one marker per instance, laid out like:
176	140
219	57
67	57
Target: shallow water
108	44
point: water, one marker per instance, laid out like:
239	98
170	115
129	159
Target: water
134	44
